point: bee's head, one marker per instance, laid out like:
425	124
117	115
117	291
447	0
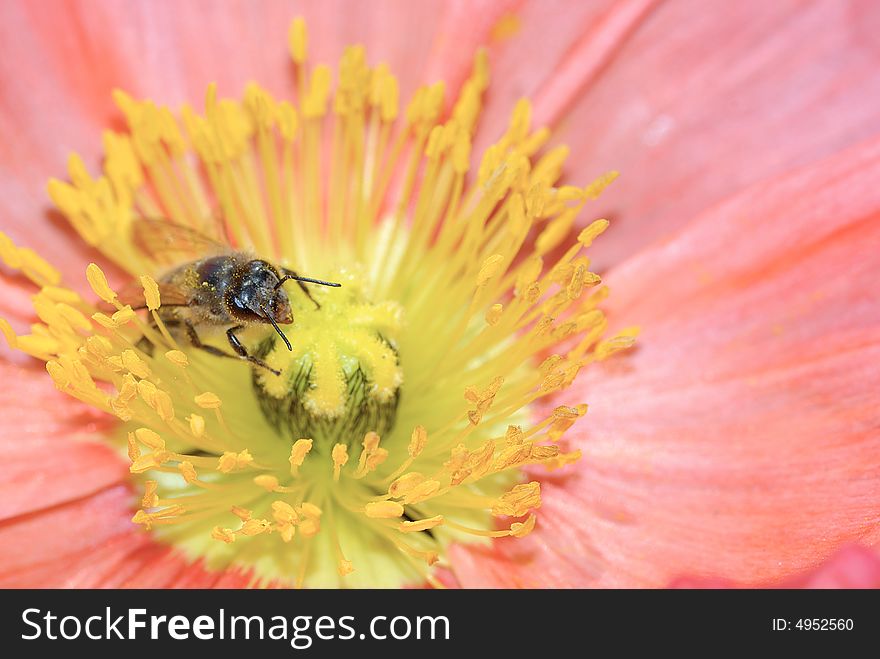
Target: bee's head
257	296
278	307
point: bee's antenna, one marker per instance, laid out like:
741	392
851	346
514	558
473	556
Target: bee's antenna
277	329
308	279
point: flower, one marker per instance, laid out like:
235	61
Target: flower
389	420
688	455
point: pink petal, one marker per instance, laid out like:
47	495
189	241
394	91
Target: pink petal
91	543
854	566
49	444
851	567
739	440
701	102
560	49
139	562
16	305
59	545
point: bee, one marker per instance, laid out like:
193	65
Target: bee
223	288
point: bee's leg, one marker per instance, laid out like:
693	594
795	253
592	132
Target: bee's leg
197	342
303	287
241	350
242	353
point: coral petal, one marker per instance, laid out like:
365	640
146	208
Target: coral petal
739	440
48	444
60	541
854	566
851	567
698	104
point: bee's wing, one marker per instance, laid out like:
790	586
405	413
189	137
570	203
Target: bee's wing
166	242
170	295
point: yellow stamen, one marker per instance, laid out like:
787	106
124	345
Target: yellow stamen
340	458
150	498
208	400
151	292
298	452
177	357
421	524
383	509
230	461
99	284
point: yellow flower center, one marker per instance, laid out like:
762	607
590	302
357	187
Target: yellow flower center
398	422
343	375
